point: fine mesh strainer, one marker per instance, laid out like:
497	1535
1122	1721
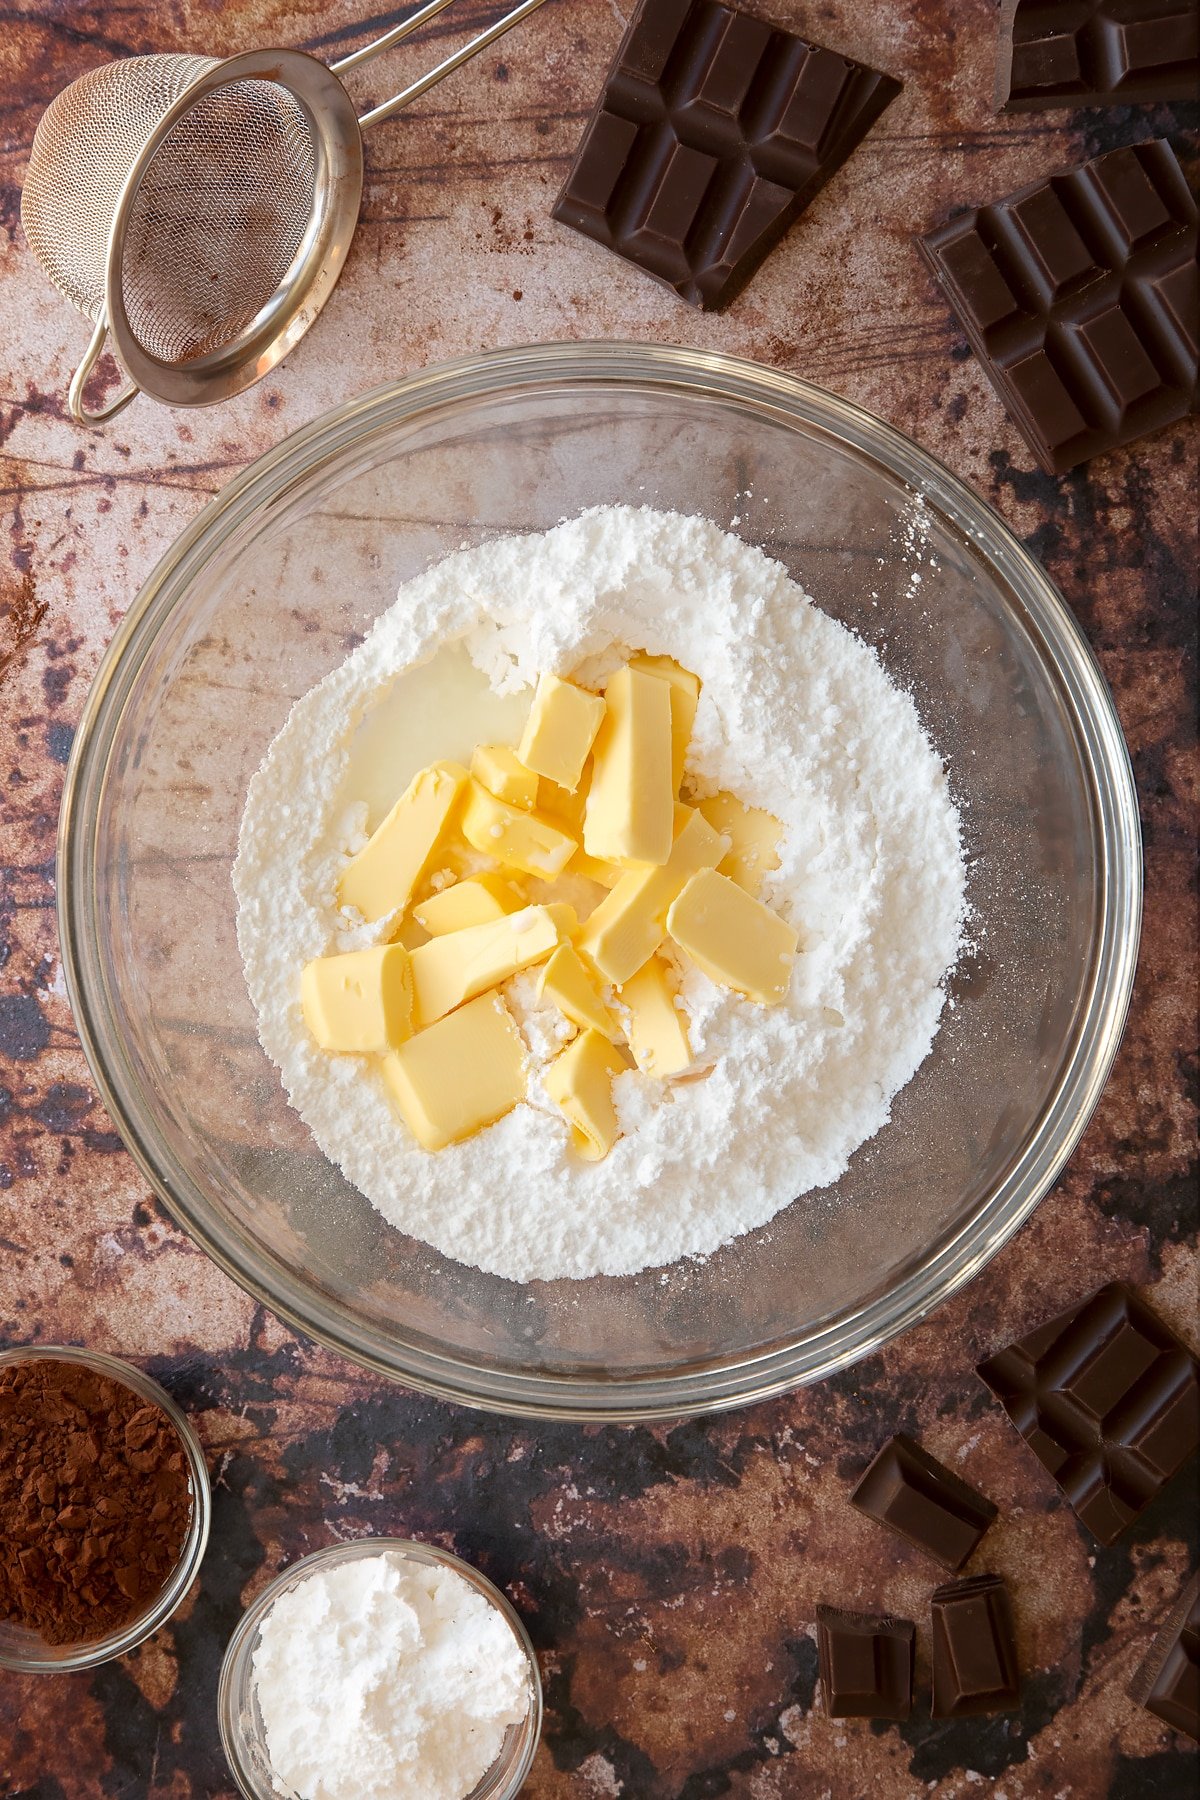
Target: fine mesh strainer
201	210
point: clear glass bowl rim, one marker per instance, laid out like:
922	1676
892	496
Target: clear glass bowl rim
167	1601
233	1686
961	1254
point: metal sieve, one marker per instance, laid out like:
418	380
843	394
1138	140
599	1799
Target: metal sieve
200	210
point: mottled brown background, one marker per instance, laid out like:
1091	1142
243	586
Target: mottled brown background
669	1576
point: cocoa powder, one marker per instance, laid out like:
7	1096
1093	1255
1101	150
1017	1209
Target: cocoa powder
95	1500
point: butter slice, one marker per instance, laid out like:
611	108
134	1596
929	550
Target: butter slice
685	696
562	724
580	1083
753	833
736	940
476	901
657	1033
381	878
360	1002
448	970
630	922
461	1074
562	805
496	768
630	802
567	983
523	840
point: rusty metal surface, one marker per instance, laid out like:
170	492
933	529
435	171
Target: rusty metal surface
669	1576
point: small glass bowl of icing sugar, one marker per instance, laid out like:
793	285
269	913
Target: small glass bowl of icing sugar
380	1670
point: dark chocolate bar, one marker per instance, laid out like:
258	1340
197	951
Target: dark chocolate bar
1168	1682
974	1649
866	1663
935	1509
1079	296
1109	1399
1096	53
713	133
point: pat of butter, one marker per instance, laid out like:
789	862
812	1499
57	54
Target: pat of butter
562	723
604	874
524	840
381	878
753	833
567	983
448	970
360	1002
657	1032
476	901
563	806
461	1074
736	940
496	768
580	1083
630	802
630	922
685	696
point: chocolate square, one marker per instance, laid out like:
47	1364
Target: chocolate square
1096	53
1168	1682
866	1664
925	1502
974	1649
714	132
1099	346
1109	1398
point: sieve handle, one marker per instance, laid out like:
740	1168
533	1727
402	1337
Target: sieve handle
422	86
91	357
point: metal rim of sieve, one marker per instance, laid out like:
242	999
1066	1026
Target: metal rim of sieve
254	350
335	131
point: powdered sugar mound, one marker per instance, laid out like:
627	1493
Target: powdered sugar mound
385	1679
796	715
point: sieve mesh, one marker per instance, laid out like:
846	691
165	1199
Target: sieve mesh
219	215
86	142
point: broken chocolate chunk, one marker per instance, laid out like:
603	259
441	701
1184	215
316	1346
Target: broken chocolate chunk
1079	296
713	133
1109	1399
1098	53
1168	1682
866	1663
974	1649
927	1503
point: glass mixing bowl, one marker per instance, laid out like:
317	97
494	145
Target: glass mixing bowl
273	584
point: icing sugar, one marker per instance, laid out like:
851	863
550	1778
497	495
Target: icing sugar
796	715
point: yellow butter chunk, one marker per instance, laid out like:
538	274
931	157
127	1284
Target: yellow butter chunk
657	1032
562	805
606	874
630	922
461	1074
360	1002
685	696
448	970
476	901
567	983
580	1082
630	802
524	840
753	833
562	723
381	878
496	768
736	940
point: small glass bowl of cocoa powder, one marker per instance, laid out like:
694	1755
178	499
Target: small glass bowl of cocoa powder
104	1508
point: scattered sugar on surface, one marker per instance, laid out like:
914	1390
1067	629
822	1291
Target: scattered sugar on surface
796	715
